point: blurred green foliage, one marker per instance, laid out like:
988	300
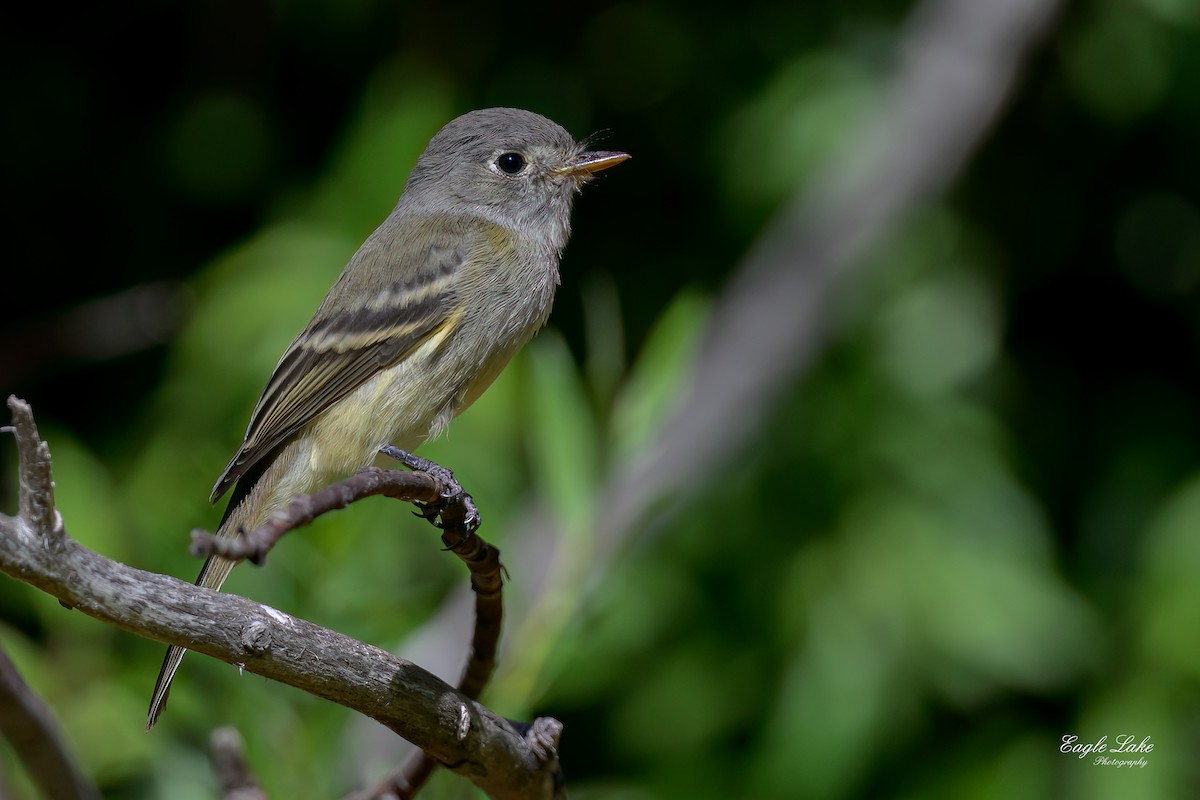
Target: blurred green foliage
971	529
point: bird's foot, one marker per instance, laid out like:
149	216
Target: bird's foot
452	492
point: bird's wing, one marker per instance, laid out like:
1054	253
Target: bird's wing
342	347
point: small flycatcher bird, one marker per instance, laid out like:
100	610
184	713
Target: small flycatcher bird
427	313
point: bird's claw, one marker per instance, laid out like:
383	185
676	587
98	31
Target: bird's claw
451	491
428	512
471	520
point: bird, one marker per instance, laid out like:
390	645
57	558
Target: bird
422	319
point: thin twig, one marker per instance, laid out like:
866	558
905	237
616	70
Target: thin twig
481	558
483	561
303	509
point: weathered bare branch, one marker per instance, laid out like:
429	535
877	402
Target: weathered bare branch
448	725
36	500
482	560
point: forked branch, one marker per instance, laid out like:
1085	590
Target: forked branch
501	758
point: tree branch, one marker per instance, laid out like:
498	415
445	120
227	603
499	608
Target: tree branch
453	729
457	520
958	62
237	781
29	727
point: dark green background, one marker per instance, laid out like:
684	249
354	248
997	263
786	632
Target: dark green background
970	530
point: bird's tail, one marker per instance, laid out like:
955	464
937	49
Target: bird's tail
212	575
242	514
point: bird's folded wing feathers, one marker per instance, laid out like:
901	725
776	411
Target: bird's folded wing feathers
340	350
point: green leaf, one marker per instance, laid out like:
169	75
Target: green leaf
563	434
655	382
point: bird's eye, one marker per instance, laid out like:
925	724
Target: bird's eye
510	163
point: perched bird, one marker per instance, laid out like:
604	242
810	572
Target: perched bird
422	319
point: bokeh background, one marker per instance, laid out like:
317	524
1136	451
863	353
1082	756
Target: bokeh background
971	528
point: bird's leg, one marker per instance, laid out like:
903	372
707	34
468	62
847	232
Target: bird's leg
452	491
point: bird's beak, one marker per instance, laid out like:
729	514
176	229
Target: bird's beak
587	163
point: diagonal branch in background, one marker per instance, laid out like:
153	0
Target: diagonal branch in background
958	61
502	759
